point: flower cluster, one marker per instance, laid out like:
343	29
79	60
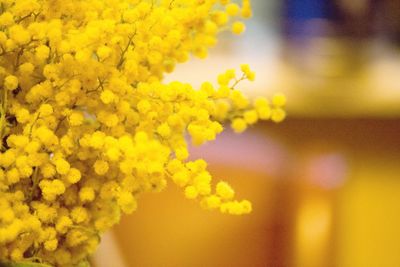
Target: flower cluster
87	125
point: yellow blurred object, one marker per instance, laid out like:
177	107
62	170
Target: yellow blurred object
369	216
313	231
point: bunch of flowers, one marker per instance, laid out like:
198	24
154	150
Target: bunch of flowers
87	125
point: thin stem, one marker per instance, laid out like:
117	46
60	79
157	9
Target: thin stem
122	59
3	114
238	81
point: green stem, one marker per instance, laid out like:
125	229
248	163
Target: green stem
22	264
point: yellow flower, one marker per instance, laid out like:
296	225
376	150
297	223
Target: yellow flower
164	130
95	123
26	68
23	115
79	214
97	140
191	192
113	154
11	82
51	245
103	52
86	194
76	118
45	110
48	170
74	175
42	52
13	176
6	19
144	106
62	166
127	202
211	202
101	167
63	224
238	27
107	96
278	115
279	100
232	9
225	191
181	178
239	125
19	34
250	116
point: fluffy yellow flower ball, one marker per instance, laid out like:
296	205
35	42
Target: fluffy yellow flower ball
11	82
238	27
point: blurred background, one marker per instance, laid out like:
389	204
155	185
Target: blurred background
325	184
